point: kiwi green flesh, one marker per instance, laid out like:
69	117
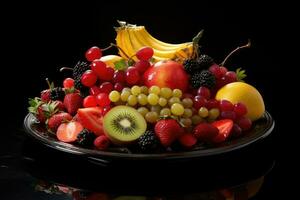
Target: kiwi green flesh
123	124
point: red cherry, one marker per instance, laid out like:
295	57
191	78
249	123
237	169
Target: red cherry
94	90
199	102
240	109
215	69
89	101
230	77
88	78
212	103
119	76
132	76
98	67
108	75
245	123
228	115
226	105
68	83
142	65
204	92
144	53
93	53
106	87
119	87
223	70
102	99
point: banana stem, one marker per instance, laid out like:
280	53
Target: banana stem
248	45
114	45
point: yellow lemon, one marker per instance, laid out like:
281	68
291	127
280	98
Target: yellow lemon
110	60
246	94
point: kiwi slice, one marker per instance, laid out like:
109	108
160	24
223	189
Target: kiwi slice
124	125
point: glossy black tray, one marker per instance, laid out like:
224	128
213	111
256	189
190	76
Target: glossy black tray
261	129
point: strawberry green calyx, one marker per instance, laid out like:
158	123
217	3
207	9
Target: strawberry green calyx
36	106
240	74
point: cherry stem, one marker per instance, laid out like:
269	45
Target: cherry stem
248	45
114	45
106	48
65	68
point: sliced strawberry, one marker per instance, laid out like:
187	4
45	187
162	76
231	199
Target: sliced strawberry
187	140
167	131
224	126
92	119
205	132
68	132
72	102
56	120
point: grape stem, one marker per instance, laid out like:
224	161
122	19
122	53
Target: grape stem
248	45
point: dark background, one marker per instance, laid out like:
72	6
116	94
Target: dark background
40	38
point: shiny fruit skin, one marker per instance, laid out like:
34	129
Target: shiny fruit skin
163	73
246	94
204	92
144	53
119	77
103	99
93	53
199	102
89	101
245	123
89	78
68	83
106	87
132	76
142	65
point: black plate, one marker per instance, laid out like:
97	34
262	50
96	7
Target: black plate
261	129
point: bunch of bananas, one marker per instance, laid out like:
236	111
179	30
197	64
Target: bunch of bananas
130	38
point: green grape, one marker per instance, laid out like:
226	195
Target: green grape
126	89
187	112
187	102
162	101
152	99
187	122
124	95
151	117
213	114
177	93
114	96
143	111
166	93
135	90
177	109
203	112
132	100
196	119
156	109
142	99
173	100
144	90
154	90
165	112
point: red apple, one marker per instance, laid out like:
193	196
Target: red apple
166	73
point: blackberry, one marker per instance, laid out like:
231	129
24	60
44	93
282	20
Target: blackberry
205	61
85	138
84	91
57	94
203	78
190	65
79	69
148	142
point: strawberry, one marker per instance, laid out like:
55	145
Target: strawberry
54	121
224	126
72	102
91	119
68	132
167	131
60	105
205	132
187	140
45	95
102	142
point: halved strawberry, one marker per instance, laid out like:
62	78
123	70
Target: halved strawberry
224	126
68	132
92	119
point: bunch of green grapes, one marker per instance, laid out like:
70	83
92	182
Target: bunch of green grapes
204	114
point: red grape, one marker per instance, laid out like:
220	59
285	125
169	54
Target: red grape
228	115
245	123
102	99
106	87
230	77
223	70
240	109
226	105
215	69
98	67
93	53
89	101
88	78
94	90
199	102
132	76
142	65
144	53
236	130
119	87
212	103
204	92
119	76
68	83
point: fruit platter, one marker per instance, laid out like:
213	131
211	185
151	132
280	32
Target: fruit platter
154	99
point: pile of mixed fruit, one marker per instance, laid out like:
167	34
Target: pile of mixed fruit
154	97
